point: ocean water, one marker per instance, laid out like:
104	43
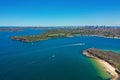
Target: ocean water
53	59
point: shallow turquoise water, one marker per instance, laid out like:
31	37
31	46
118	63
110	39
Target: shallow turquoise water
54	59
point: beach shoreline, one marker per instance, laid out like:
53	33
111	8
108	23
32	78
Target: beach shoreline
109	68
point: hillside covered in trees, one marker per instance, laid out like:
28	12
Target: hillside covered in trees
113	32
108	56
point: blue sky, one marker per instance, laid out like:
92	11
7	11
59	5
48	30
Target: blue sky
59	12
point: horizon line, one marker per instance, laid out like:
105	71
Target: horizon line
64	26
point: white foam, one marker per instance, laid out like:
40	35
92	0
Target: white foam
79	44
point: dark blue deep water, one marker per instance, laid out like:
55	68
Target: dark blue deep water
53	59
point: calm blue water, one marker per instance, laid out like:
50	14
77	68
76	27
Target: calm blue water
54	59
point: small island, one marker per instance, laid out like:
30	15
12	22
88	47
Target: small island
108	32
109	60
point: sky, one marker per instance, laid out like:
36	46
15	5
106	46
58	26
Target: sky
59	12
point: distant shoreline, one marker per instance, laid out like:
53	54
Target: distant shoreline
109	68
25	40
58	33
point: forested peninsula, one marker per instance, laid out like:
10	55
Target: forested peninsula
63	32
110	60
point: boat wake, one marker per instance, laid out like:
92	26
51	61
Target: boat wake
78	44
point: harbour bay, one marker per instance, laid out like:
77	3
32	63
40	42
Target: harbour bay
53	59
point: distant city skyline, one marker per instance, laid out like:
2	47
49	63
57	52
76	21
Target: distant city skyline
59	12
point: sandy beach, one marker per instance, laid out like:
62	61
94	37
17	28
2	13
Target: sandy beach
110	69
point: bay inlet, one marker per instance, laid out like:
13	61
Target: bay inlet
51	59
